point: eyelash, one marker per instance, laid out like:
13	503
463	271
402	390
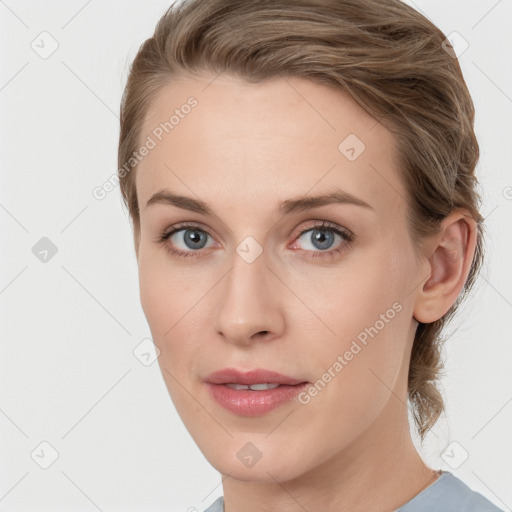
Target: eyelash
345	234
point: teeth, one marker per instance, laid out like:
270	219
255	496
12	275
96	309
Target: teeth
261	387
237	386
253	387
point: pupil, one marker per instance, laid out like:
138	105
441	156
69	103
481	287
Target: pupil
195	237
324	238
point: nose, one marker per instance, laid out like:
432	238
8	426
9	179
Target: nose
249	308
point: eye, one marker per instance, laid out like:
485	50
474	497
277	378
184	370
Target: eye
321	238
184	240
189	240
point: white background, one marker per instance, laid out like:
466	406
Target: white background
69	326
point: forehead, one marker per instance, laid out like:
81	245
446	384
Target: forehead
227	138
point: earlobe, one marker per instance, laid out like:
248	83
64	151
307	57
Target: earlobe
451	256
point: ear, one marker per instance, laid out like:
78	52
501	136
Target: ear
449	259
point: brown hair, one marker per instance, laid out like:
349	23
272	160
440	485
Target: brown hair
388	57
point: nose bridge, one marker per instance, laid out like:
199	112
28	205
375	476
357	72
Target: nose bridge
248	304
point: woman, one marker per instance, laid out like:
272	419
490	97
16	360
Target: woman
300	180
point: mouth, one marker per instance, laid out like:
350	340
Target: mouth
253	393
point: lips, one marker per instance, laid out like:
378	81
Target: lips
256	376
258	400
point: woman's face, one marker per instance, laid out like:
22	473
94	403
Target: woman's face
253	285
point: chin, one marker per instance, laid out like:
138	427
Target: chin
258	473
248	463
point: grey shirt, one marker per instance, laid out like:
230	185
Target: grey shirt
447	494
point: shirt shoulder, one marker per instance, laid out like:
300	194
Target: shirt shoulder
446	494
216	506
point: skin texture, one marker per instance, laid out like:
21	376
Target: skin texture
243	150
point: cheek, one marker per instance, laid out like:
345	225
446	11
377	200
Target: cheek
156	295
357	367
165	308
365	308
166	290
352	297
173	300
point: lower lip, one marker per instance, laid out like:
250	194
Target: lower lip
253	403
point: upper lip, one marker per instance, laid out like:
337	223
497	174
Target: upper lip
256	376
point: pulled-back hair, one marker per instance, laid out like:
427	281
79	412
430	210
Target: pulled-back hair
388	57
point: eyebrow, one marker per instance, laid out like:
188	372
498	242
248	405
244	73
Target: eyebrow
292	205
